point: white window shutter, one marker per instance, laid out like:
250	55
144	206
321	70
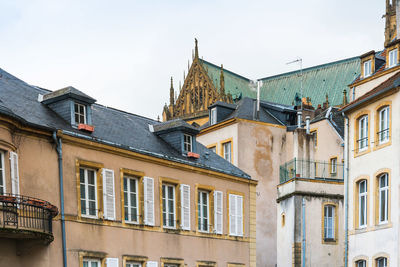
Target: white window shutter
148	197
108	194
232	214
239	215
151	264
185	207
14	173
218	208
112	262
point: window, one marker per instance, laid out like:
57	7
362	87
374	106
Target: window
131	199
333	165
381	262
315	137
91	263
203	211
235	215
133	264
329	222
227	147
213	116
367	68
383	198
363	133
80	113
88	192
187	143
2	174
168	205
362	203
361	263
383	133
393	58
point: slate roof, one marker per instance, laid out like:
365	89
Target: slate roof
68	91
113	127
334	117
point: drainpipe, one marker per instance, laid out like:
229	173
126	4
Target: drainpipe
346	188
303	219
58	142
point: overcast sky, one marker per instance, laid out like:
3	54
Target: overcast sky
123	53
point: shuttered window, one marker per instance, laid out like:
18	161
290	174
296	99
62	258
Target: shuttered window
235	215
185	207
108	194
131	199
168	205
218	214
88	188
148	197
2	174
14	173
91	263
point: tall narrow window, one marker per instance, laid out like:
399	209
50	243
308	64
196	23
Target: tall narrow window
367	68
333	166
88	187
393	58
329	222
91	263
187	143
168	205
227	147
361	263
213	116
383	125
363	133
381	262
203	210
131	199
383	198
362	203
80	113
235	215
2	174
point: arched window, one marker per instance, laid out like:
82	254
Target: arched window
361	263
384	124
381	262
362	203
383	194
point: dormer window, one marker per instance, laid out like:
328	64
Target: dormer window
367	68
213	116
393	58
80	114
187	143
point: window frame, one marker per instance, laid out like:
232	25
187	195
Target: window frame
132	264
360	196
224	150
200	215
174	192
96	186
91	260
329	232
362	135
213	116
385	261
386	131
368	64
187	144
333	165
362	261
76	104
314	133
393	54
236	194
379	198
3	171
128	199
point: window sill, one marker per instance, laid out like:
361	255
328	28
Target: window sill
382	145
362	152
329	241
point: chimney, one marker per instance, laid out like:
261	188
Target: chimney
308	124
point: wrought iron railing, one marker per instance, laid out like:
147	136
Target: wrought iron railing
26	213
300	168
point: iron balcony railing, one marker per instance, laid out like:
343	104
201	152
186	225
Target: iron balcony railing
22	214
309	169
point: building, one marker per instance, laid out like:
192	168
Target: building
131	191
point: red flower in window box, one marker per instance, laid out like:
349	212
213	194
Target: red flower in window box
86	127
193	155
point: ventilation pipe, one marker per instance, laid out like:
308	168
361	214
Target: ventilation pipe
308	124
299	116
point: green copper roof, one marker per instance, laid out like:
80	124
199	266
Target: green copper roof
331	78
235	84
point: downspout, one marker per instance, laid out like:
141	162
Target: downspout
346	188
58	142
303	219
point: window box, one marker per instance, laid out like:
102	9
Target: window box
86	127
193	155
7	198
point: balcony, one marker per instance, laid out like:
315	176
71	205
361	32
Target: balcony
23	217
307	169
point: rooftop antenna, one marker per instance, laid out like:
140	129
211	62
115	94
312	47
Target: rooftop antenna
300	61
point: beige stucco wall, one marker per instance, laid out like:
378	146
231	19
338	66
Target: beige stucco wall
39	178
365	87
375	238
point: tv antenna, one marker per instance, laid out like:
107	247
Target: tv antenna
300	62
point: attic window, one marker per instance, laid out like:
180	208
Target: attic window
393	58
367	69
187	143
80	113
213	116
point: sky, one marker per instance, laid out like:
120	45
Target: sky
123	53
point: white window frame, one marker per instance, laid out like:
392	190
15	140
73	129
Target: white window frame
381	262
383	192
393	58
2	172
86	199
329	222
334	165
187	143
133	264
362	198
167	212
227	156
90	261
213	116
367	66
77	112
127	199
361	263
200	214
384	125
235	216
363	133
